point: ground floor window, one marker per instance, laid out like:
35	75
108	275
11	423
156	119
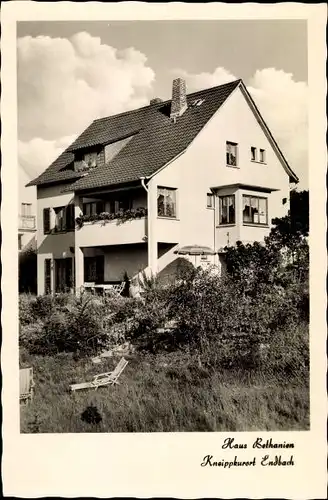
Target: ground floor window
227	209
94	269
63	274
255	210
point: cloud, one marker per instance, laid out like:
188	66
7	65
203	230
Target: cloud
205	80
64	84
283	103
36	155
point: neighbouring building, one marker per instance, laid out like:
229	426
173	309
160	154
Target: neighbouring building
144	189
26	214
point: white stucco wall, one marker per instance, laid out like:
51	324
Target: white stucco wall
52	246
203	166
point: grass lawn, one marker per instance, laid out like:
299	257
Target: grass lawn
160	393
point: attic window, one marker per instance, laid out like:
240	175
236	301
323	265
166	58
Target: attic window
86	161
90	159
197	102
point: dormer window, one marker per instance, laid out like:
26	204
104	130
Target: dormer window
85	161
90	159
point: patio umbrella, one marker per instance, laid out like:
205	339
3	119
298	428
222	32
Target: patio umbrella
194	250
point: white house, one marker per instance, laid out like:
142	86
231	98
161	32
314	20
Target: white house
135	189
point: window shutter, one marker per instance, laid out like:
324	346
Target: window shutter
47	276
69	272
70	217
46	220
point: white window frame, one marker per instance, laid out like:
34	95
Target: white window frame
254	201
165	191
229	154
210	200
26	209
91	159
262	155
221	202
60	227
253	153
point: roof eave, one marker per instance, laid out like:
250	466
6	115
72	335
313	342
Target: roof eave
292	176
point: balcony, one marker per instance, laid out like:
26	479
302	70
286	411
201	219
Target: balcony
105	233
27	223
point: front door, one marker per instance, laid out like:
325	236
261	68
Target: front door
63	275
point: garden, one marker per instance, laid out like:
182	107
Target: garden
205	353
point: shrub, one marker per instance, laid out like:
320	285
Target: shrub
288	351
43	306
25	308
29	333
71	325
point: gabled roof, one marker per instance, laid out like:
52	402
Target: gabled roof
155	142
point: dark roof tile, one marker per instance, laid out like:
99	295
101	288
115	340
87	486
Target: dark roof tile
156	142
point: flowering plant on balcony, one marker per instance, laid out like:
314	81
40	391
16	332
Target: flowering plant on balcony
120	217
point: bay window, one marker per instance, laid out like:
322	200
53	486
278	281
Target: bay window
255	210
227	209
166	202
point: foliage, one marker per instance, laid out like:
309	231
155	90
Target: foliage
64	323
121	216
27	271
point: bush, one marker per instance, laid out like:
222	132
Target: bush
43	306
65	323
25	308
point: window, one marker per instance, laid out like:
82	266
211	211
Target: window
166	202
253	153
46	220
93	208
20	241
47	276
255	210
210	200
94	269
60	222
232	150
26	209
262	155
227	209
91	159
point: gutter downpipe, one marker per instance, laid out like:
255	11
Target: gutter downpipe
142	179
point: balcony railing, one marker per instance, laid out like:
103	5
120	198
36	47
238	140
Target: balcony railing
27	222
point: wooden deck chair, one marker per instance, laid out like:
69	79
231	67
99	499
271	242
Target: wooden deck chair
119	288
26	385
108	378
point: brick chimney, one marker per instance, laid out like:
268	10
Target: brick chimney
179	99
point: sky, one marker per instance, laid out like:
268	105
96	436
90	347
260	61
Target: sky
72	72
